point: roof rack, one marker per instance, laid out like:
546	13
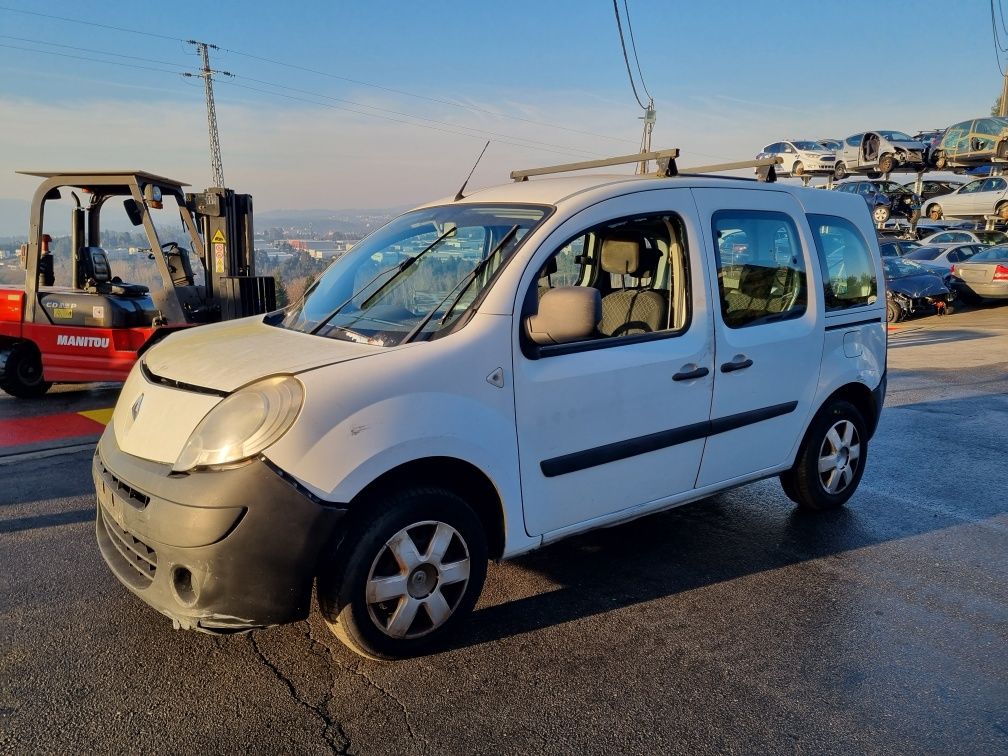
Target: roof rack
666	160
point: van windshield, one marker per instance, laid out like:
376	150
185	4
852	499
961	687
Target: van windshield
414	276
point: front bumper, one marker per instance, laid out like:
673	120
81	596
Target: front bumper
217	551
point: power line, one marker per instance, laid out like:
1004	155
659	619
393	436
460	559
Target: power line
633	46
997	44
626	60
90	60
90	50
273	61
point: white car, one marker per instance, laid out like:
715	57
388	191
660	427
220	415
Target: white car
878	153
977	199
485	376
956	236
942	258
800	157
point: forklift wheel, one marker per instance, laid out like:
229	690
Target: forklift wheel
21	371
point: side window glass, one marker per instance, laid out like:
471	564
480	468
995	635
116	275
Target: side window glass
846	263
941	239
761	271
638	266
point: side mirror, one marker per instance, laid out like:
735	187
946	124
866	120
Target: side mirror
567	313
133	211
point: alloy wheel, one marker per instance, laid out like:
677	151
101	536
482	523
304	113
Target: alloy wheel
839	457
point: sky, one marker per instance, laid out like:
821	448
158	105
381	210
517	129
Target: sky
383	104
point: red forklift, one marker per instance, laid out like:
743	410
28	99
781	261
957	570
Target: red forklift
92	325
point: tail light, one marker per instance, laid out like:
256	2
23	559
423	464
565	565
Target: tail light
1000	273
952	268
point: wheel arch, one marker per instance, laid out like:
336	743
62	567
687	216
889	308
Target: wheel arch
457	475
863	400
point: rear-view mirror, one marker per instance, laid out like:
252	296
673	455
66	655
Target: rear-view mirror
133	211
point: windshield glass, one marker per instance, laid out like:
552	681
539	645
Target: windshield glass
925	253
808	146
992	237
890	187
994	253
418	265
896	136
900	267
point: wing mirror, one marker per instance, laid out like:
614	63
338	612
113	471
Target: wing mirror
133	211
567	313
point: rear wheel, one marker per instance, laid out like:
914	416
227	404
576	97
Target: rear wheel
402	581
830	460
935	212
880	214
21	371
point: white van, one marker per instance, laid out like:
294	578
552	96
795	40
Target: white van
484	376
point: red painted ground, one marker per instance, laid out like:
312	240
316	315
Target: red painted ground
30	430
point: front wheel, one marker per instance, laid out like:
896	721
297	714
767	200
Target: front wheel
830	460
880	214
839	172
21	371
1001	211
935	212
894	313
886	163
403	580
798	168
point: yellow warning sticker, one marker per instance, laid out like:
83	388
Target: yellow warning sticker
218	237
102	416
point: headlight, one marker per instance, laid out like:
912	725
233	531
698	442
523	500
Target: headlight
243	424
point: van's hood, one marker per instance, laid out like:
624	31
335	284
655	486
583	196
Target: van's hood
227	356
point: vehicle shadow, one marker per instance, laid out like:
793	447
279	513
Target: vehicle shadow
920	337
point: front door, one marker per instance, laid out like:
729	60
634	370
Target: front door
616	422
768	338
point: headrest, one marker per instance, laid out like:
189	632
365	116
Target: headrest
628	256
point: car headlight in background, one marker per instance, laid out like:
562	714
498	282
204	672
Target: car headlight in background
244	424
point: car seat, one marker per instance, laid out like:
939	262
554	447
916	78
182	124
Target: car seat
628	311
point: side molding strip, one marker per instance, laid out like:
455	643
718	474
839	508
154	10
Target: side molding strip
601	455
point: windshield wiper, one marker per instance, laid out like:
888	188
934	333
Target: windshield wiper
464	284
396	271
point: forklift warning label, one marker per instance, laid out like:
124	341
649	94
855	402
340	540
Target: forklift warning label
82	341
218	242
218	237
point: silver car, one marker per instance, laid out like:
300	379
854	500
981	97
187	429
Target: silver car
979	198
878	152
800	157
943	259
985	274
954	236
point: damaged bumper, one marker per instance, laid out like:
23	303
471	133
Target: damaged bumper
216	551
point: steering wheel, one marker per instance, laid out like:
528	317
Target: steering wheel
169	246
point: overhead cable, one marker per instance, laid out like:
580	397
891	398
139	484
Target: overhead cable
626	60
633	46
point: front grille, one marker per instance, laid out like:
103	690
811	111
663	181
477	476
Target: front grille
134	553
135	497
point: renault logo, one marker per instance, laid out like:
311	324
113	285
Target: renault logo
135	409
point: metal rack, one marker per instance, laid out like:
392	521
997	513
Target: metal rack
666	166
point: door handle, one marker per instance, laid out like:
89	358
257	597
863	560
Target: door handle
689	375
736	364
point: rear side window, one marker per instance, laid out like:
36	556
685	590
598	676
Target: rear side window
847	265
925	253
761	269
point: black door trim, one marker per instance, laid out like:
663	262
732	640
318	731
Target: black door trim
601	455
854	323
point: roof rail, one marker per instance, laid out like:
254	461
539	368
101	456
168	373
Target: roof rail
666	160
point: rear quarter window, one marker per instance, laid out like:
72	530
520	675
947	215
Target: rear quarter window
848	269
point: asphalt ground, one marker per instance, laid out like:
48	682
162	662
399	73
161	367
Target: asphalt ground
732	625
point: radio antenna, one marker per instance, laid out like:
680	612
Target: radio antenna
462	188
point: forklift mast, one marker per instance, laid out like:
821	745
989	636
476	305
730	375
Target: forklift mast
225	220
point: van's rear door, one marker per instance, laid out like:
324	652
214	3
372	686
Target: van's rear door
768	330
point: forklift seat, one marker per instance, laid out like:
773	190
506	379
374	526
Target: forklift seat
96	274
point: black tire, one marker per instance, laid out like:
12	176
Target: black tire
874	174
366	556
940	160
968	296
798	168
839	172
21	371
935	212
894	313
809	488
886	163
1001	211
880	214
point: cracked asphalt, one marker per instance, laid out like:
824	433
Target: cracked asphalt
733	625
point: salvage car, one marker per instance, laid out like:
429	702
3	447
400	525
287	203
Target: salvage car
800	157
885	199
961	236
589	358
877	153
977	199
942	258
983	276
972	143
912	289
933	188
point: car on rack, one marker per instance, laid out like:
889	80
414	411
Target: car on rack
979	198
885	199
962	236
983	276
833	145
800	157
972	143
930	139
943	258
912	289
877	153
591	356
932	187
